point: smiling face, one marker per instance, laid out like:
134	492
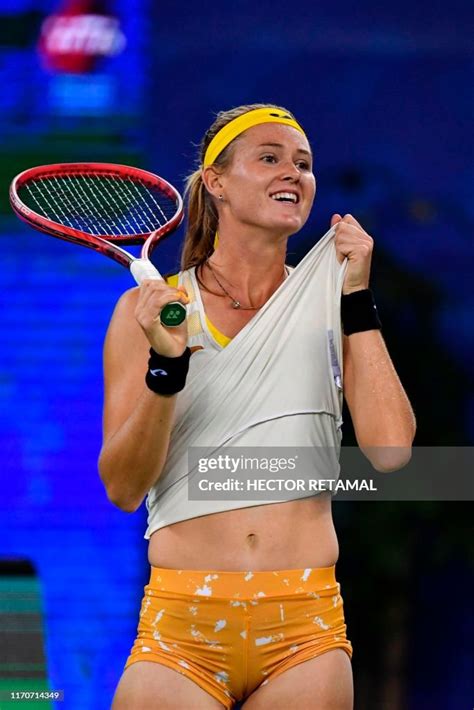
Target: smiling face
269	183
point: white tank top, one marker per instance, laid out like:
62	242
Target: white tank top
277	383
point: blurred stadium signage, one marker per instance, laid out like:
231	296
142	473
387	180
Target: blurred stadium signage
78	35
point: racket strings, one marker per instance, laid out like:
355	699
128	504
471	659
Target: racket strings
154	202
45	202
123	191
98	222
49	200
101	204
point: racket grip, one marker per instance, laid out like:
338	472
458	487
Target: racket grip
173	314
143	269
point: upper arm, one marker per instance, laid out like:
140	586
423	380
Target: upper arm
125	360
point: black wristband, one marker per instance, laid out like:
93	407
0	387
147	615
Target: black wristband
359	312
167	375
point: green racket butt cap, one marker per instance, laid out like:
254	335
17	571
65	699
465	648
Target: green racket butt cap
173	314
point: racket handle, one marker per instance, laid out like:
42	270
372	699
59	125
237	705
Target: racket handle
143	269
173	314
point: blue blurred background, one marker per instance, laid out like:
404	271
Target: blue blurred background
385	94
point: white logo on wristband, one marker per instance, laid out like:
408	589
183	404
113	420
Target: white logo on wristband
155	373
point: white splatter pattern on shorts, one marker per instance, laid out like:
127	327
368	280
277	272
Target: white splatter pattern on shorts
222	676
317	620
263	640
199	636
238	603
158	617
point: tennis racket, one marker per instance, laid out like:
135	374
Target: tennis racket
103	206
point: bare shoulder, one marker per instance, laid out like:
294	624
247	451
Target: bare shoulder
123	318
125	306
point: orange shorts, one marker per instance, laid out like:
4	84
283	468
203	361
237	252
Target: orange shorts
233	631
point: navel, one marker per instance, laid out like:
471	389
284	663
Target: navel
251	539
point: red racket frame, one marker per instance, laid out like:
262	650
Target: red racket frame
106	244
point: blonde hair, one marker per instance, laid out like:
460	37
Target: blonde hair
202	220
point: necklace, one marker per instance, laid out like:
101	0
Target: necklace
235	303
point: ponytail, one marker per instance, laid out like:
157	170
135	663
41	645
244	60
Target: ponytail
202	223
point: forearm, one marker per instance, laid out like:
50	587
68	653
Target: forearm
132	459
381	412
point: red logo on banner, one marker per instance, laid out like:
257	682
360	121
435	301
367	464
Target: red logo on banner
76	37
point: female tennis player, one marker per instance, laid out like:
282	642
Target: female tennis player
243	603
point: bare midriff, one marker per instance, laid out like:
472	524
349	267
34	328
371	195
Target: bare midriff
291	535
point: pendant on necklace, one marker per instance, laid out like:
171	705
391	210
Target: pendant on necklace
235	304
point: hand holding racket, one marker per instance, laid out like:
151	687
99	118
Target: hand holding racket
100	206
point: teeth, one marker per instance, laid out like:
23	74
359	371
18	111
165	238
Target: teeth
285	196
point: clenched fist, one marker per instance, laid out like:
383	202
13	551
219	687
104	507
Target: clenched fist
354	243
154	294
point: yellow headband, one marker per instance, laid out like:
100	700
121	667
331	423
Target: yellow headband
240	124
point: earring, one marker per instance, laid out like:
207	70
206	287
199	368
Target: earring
221	197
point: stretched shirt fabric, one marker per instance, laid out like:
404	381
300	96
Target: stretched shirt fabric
277	383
